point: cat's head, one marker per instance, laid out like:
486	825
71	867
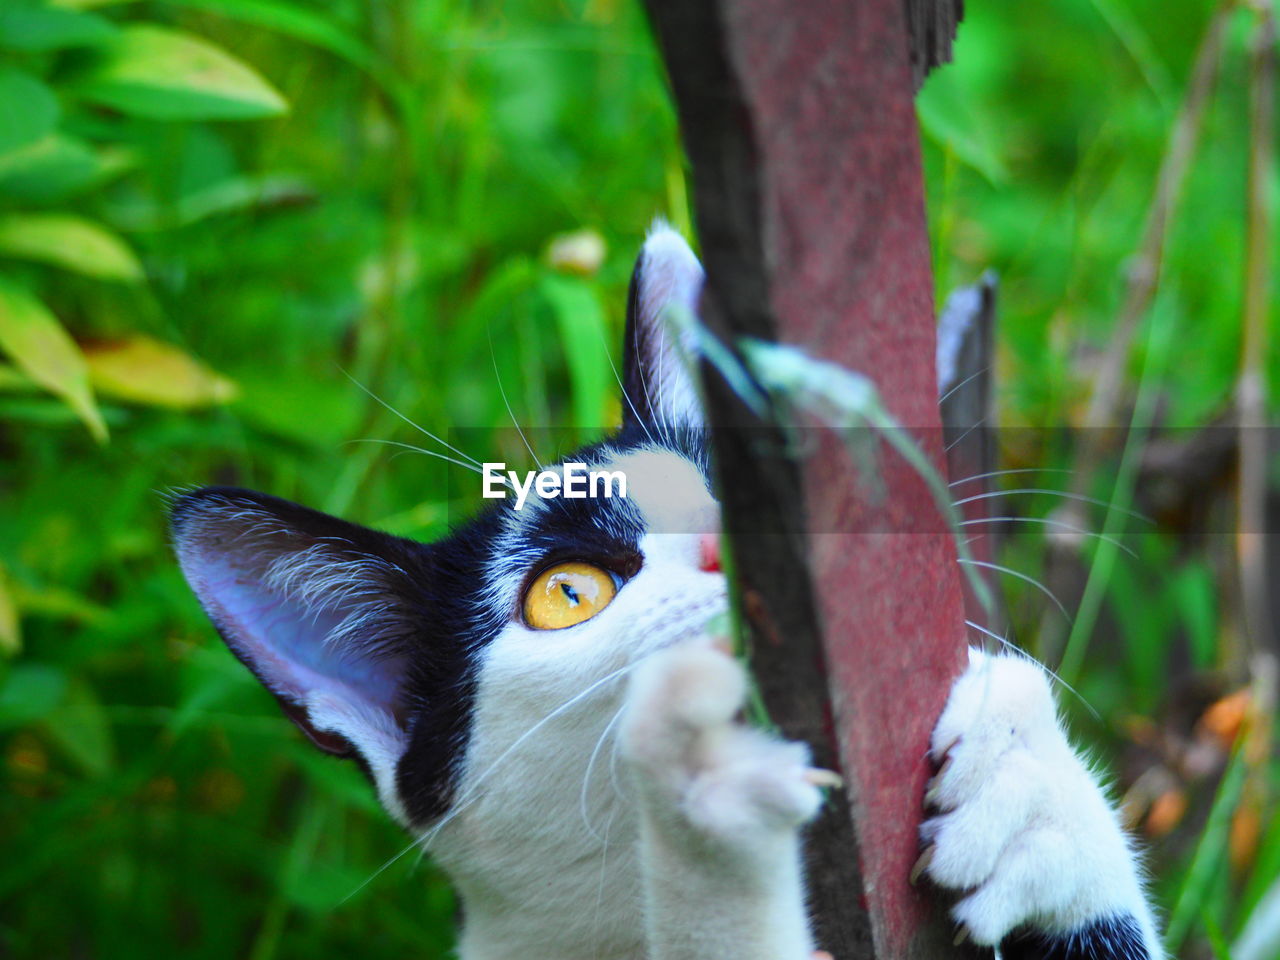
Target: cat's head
427	663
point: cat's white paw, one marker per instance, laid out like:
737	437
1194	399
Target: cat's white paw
698	765
1017	824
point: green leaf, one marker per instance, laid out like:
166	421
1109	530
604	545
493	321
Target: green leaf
29	692
342	782
585	339
28	109
13	380
947	118
58	602
226	196
165	74
1194	594
87	4
310	27
57	166
70	242
293	21
306	410
35	28
10	628
1210	852
36	342
80	726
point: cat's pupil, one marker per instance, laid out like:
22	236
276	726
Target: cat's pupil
571	593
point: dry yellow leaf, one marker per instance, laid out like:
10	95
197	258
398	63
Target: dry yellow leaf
146	371
41	349
1224	718
1166	812
1246	833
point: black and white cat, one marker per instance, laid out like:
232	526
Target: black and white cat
536	699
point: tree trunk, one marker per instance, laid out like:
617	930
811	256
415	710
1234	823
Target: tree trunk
800	128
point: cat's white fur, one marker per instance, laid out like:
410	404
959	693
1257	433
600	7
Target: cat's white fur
1022	826
569	885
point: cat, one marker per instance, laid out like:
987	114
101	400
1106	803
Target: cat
535	697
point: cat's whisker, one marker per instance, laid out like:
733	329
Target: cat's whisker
613	771
664	428
970	430
421	429
1007	473
1049	521
507	403
410	448
1021	576
1014	648
973	376
622	387
467	798
586	777
423	840
1066	495
381	870
604	865
644	385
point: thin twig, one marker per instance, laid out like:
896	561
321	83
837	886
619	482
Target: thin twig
1144	270
1251	399
1142	283
1251	387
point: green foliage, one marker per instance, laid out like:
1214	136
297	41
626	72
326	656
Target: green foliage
157	205
1042	147
162	74
215	215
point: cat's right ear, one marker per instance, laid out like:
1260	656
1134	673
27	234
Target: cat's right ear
658	385
323	612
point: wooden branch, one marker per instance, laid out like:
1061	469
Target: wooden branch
931	26
799	124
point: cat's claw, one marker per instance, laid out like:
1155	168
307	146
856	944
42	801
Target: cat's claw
1017	825
921	864
933	789
824	778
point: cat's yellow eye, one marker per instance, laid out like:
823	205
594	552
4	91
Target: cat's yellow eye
567	594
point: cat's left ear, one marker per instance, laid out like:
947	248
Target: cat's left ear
325	613
658	361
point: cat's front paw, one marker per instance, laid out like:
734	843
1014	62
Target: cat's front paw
697	766
1017	825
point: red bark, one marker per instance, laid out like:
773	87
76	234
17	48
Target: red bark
801	130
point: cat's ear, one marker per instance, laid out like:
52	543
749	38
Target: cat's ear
658	362
322	611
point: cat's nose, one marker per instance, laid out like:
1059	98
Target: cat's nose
709	553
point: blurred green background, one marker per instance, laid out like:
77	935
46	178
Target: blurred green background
217	217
